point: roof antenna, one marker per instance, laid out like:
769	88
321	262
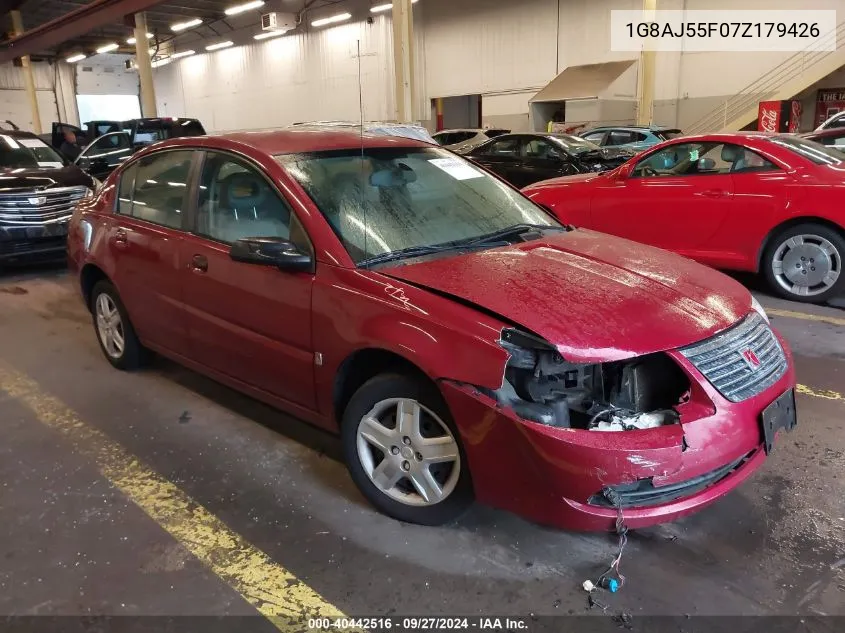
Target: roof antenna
361	116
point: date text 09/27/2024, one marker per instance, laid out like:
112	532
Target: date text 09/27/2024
417	624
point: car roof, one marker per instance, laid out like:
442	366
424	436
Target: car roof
462	129
831	131
314	140
18	133
638	128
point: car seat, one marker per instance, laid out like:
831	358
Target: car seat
247	208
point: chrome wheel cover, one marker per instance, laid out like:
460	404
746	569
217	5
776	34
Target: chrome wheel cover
110	326
806	265
408	452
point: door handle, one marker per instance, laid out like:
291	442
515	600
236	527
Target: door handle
199	263
714	193
121	240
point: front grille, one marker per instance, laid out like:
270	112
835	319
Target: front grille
36	208
742	361
643	492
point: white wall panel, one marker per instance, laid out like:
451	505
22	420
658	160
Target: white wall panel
106	75
273	83
478	46
14	106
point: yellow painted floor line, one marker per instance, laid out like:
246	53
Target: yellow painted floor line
790	314
819	393
275	592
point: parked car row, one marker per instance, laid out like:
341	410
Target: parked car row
462	341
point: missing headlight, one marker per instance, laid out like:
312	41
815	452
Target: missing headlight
541	386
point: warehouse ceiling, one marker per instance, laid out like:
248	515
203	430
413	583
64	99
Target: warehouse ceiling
160	17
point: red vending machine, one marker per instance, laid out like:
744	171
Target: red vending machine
779	116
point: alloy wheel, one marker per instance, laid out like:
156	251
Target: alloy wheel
110	326
408	452
806	265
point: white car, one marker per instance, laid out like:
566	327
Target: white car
837	120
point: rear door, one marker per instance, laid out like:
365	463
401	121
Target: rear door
247	321
145	238
501	156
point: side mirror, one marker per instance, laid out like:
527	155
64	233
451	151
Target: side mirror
624	171
271	251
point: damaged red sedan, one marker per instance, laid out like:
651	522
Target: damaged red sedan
463	343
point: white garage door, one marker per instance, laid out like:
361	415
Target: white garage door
14	106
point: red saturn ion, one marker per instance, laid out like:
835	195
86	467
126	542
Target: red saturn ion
752	202
462	342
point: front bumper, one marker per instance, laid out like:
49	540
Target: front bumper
555	476
45	242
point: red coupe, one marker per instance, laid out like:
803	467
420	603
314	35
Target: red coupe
461	341
752	202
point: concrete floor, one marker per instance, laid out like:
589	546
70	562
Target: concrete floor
72	544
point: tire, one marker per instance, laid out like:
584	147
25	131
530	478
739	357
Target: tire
444	462
131	354
805	263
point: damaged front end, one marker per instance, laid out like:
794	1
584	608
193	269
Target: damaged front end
541	386
565	443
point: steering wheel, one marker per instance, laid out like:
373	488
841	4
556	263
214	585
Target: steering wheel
648	171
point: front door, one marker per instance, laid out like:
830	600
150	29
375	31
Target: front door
501	157
676	198
541	160
105	154
250	322
145	241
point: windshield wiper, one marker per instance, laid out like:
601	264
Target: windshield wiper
405	253
507	234
501	236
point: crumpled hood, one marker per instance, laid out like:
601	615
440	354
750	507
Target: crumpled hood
593	296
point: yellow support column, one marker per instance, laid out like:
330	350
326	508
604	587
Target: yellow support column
645	104
28	79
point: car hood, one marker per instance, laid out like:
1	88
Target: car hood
38	178
555	183
594	297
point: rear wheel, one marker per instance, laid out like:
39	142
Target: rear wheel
115	333
804	263
403	451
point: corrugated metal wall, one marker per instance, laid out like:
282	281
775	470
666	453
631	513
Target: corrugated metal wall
276	82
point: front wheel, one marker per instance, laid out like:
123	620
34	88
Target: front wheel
403	451
115	333
804	263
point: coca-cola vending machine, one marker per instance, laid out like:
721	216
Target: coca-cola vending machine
779	116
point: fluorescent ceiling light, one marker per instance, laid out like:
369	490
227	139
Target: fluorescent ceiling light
340	17
75	58
217	47
181	54
181	26
160	62
265	34
380	8
132	40
246	6
108	47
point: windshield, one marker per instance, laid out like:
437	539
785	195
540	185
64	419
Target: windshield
27	152
574	144
384	200
812	151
